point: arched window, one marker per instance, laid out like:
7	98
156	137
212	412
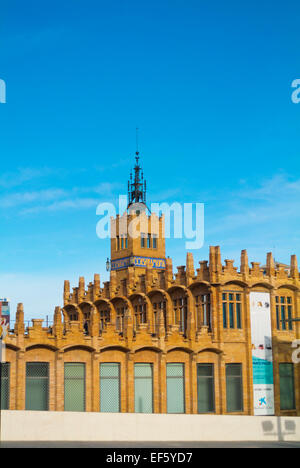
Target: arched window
180	309
140	311
203	311
120	319
104	315
202	297
159	303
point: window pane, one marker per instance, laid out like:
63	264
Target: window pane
231	319
205	387
143	370
234	388
205	370
175	370
36	369
74	387
224	314
109	369
154	241
283	317
290	317
74	370
238	316
143	388
37	386
175	388
110	387
287	392
277	318
4	388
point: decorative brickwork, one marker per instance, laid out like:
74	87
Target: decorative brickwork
157	317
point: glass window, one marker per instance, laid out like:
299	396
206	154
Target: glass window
277	318
205	387
149	241
232	310
74	386
142	240
284	313
175	388
238	315
110	387
287	389
290	316
154	241
231	318
234	388
283	318
37	386
4	388
143	388
224	314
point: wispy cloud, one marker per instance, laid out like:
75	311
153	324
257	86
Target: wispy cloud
274	200
71	204
55	199
23	174
23	198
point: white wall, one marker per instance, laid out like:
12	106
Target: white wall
64	426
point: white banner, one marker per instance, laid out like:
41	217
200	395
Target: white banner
262	353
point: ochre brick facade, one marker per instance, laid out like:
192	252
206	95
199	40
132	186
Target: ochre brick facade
78	335
148	314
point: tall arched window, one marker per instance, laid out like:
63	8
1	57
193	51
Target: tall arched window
180	309
202	296
140	311
159	303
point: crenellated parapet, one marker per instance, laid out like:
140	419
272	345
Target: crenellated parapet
158	305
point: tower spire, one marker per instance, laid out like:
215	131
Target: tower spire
137	184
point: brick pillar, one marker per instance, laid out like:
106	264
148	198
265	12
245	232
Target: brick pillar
162	383
217	312
222	385
20	380
130	383
193	385
95	382
59	381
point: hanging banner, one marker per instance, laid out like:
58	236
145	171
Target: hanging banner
262	354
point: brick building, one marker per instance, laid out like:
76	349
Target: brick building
150	340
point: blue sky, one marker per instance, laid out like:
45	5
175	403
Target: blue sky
209	86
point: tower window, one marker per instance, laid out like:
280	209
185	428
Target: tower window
149	241
154	241
143	240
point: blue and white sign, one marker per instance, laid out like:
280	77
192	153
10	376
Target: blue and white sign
262	354
142	262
